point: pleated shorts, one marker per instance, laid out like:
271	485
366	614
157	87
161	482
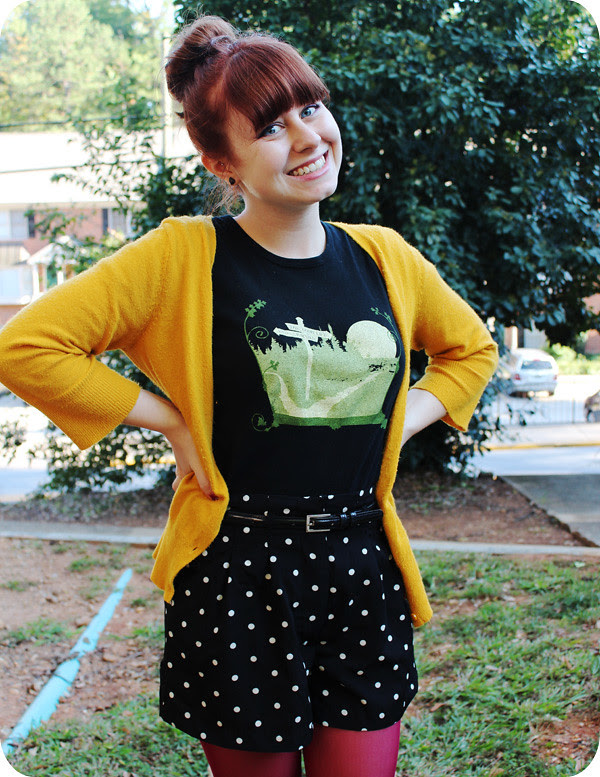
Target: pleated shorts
273	631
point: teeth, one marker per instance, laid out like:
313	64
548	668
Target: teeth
309	168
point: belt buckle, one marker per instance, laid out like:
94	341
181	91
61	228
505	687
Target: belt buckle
309	527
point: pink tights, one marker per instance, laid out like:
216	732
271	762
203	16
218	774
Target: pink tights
333	752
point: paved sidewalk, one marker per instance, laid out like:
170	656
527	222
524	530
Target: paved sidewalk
547	436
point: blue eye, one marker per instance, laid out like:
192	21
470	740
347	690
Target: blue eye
309	111
271	129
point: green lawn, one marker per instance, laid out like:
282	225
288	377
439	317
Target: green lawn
510	658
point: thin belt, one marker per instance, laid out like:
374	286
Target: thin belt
313	522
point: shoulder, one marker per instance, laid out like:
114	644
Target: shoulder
386	246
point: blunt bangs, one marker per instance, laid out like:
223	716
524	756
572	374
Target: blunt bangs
268	78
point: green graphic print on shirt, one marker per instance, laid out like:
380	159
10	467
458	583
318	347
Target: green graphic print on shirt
313	379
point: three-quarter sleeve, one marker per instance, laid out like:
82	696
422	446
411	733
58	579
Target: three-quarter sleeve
462	354
48	352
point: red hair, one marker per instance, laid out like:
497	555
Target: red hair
213	70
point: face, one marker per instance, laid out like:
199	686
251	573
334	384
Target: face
291	163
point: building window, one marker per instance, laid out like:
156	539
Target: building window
31	224
14	225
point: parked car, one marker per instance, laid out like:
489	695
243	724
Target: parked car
528	370
591	407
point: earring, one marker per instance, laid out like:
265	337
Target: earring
232	181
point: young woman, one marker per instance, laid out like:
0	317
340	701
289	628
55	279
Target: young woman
283	345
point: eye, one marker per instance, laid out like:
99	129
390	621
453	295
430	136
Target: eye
310	110
270	130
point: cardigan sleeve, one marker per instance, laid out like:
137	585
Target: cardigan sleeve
462	354
48	352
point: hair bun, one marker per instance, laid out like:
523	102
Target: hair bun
194	45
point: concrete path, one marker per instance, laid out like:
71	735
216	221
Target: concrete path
73	532
574	498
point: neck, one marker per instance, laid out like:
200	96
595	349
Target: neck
295	235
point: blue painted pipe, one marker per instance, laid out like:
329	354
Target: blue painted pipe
62	678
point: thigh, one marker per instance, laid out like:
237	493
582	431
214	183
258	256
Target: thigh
343	753
225	762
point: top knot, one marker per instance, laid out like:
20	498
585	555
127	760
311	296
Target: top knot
195	45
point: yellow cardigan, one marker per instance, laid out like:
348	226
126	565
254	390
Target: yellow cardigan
153	300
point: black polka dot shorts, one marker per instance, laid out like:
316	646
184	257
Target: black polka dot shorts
273	631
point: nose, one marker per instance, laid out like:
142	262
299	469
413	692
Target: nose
304	137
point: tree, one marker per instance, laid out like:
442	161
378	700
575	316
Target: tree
471	127
64	61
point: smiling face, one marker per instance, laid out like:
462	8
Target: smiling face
291	163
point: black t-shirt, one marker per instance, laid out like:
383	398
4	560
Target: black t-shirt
307	364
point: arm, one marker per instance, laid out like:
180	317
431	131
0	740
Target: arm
422	410
152	412
48	351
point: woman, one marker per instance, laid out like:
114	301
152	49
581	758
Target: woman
283	344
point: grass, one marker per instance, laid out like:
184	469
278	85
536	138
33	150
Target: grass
40	631
511	654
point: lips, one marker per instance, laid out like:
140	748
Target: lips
311	167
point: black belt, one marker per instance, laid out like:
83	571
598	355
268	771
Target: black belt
313	522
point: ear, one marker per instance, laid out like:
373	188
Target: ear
216	167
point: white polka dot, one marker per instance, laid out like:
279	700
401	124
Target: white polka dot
258	723
246	530
332	558
288	541
382	658
183	655
198	644
313	556
215	662
378	685
405	647
344	712
312	618
363	642
290	656
183	624
231	613
225	538
186	685
396	696
188	715
268	576
246	498
251	626
274	673
364	612
325	692
189	593
286	510
219	723
351	571
364	551
249	594
295	573
233	645
171	695
273	558
403	617
254	659
382	714
236	709
324	723
345	541
239	741
284	624
297	719
361	493
330	617
277	705
235	678
247	563
295	688
279	738
363	701
342	656
255	691
315	587
170	665
205	579
216	693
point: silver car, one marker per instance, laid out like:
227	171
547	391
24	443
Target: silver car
529	370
